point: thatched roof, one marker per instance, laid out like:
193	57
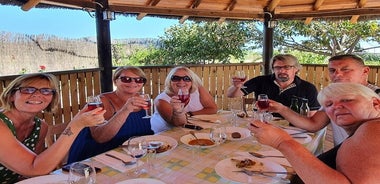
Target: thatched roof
223	9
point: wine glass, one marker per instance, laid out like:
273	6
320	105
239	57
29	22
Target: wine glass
93	102
137	147
218	134
235	105
82	173
183	95
146	107
240	75
263	104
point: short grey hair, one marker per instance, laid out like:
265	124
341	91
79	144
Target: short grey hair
287	58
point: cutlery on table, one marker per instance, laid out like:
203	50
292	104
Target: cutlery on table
299	137
258	155
117	158
265	174
199	119
297	133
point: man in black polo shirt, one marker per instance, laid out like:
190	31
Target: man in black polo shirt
280	86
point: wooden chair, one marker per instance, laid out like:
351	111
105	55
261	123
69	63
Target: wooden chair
247	102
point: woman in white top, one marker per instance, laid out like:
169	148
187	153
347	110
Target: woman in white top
170	111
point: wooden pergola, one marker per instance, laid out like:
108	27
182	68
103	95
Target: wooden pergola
212	10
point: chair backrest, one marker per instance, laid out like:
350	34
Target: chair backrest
54	131
247	102
316	145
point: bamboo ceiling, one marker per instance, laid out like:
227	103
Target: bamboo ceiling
223	9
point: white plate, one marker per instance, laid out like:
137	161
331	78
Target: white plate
207	117
46	179
302	138
159	138
141	181
244	132
225	168
188	137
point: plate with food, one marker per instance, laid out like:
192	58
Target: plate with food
46	179
230	168
162	144
237	133
203	140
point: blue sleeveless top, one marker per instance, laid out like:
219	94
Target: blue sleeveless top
6	175
85	146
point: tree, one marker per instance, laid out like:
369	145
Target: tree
204	42
326	38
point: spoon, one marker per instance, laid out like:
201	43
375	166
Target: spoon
193	134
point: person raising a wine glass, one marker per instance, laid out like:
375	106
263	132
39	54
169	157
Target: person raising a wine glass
124	116
281	86
172	105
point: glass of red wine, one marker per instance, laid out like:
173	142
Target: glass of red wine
240	75
146	107
263	104
183	95
93	102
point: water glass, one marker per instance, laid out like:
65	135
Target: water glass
137	148
218	134
82	173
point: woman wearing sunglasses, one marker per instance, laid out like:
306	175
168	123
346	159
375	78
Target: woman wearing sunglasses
170	110
124	112
22	133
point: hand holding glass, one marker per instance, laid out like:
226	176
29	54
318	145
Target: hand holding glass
183	95
93	102
262	102
240	75
146	107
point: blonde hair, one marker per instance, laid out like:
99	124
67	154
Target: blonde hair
195	80
335	90
133	69
24	80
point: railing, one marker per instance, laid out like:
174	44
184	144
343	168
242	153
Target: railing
76	85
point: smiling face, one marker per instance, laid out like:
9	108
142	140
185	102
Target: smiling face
35	102
348	70
182	83
128	87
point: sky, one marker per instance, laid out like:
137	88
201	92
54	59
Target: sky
77	23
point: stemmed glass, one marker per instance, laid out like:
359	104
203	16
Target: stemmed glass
137	147
263	104
240	75
82	173
93	102
218	134
183	95
146	107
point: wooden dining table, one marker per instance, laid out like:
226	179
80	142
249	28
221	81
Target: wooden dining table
184	163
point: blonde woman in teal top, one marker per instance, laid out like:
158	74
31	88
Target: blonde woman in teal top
22	133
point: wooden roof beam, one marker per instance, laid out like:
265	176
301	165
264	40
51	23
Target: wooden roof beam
148	3
30	4
316	7
329	14
354	18
230	7
193	5
273	5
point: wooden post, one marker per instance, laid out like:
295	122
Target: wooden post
267	43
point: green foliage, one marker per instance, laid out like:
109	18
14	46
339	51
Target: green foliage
326	38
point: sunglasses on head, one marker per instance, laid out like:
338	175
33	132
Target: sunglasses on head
176	78
32	90
130	79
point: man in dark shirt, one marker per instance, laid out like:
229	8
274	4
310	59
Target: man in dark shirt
280	86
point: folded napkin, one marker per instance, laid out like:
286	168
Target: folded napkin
114	163
281	161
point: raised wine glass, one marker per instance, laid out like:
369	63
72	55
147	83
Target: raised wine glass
183	95
146	107
137	147
93	102
240	75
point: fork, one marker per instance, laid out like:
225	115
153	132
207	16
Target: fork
266	174
258	155
117	158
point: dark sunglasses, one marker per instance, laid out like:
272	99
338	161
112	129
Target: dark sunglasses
130	79
176	78
32	90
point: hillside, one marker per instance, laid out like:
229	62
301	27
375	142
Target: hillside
30	53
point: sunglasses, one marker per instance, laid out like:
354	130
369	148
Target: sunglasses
32	90
138	80
176	78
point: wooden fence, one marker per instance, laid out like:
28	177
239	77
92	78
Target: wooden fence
76	85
